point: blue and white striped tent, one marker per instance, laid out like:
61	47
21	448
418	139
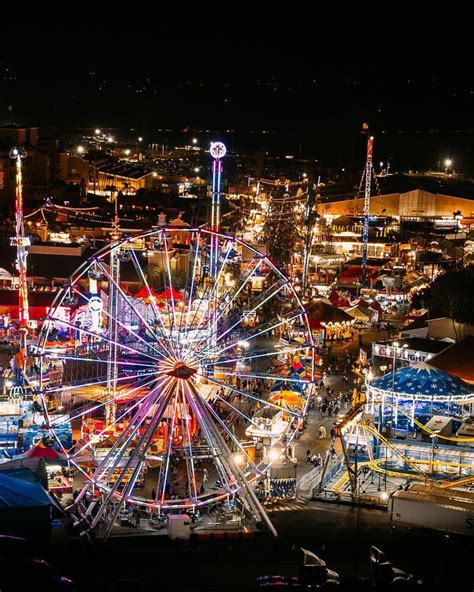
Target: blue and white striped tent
423	382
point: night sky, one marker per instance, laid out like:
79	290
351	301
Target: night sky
287	87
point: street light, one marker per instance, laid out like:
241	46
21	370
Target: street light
195	141
457	215
97	131
448	163
80	149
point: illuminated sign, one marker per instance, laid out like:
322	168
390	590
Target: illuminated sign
401	353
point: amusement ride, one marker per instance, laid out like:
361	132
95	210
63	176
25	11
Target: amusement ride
178	396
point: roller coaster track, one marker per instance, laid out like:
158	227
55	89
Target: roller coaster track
431	432
338	487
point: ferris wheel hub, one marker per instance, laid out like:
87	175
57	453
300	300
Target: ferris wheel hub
182	370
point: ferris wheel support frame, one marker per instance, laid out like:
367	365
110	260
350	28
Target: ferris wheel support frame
112	368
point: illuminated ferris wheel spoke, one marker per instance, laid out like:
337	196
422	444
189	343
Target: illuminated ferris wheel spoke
107	400
276	377
158	316
228	304
134	462
205	296
263	331
229	404
219	461
97	437
193	397
156	311
75	387
130	304
214	329
210	317
254	309
110	463
251	396
193	281
76	455
130	431
231	435
272	353
233	470
190	469
219	275
171	291
103	337
161	354
141	450
62	357
170	446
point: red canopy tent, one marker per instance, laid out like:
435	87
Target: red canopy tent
320	313
42	451
145	292
334	298
374	305
170	293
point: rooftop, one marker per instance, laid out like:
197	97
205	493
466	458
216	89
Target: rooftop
457	359
430	346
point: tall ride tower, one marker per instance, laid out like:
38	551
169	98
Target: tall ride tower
21	242
218	151
366	183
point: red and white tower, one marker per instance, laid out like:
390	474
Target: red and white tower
21	243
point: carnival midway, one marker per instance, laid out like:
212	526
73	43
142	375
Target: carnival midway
186	409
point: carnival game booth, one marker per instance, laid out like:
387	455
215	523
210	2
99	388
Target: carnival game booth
416	393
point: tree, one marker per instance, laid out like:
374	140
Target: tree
452	296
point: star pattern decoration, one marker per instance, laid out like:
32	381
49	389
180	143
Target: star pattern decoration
422	379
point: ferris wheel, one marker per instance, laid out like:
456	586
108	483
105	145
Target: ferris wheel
181	384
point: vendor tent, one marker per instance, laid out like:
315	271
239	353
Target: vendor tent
360	313
170	293
25	508
146	292
48	453
285	398
320	313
